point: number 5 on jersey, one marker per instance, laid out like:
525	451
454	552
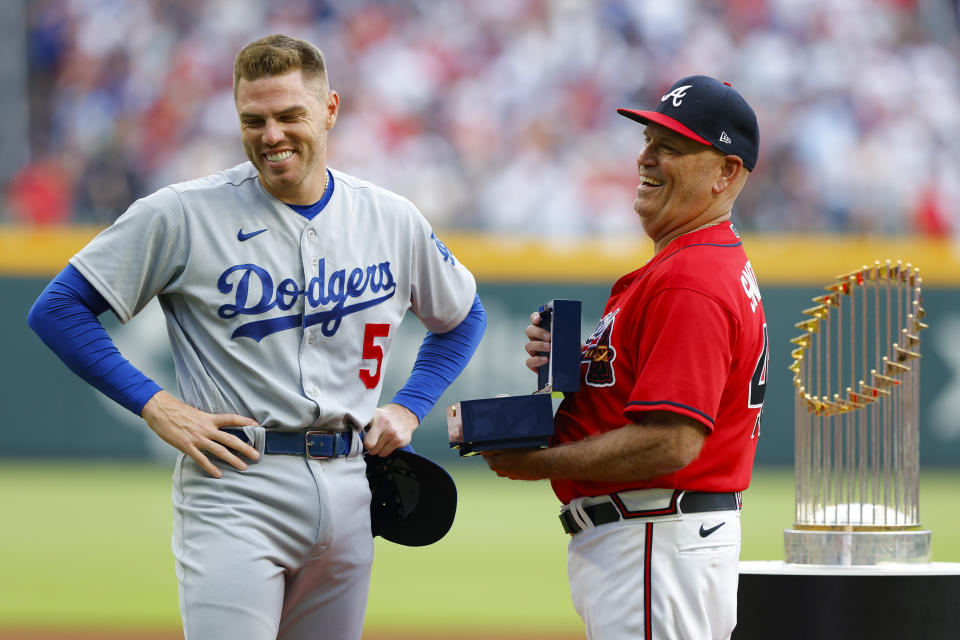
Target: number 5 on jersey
372	351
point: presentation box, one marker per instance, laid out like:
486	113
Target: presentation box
512	422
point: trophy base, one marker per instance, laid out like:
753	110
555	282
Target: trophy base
856	548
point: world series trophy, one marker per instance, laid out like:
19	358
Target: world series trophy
509	422
856	373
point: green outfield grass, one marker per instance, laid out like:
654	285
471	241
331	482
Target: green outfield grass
87	546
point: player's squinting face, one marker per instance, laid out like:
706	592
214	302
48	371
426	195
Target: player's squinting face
283	126
677	176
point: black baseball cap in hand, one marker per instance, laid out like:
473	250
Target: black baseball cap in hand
710	112
413	499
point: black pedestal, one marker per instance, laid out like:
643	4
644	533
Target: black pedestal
908	602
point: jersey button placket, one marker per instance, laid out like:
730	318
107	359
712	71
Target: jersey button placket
312	373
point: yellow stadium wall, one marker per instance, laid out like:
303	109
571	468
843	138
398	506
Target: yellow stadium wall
515	276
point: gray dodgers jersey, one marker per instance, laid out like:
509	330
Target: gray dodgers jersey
270	315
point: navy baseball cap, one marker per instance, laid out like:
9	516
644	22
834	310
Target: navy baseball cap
413	499
710	112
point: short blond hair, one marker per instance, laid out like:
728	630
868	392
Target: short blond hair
276	55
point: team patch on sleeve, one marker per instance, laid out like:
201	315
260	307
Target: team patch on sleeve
599	353
444	251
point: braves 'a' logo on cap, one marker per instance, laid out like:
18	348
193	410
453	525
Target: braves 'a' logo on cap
677	94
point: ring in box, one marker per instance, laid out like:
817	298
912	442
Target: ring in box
510	422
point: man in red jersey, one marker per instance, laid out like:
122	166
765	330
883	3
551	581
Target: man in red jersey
650	456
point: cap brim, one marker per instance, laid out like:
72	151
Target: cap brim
414	500
646	117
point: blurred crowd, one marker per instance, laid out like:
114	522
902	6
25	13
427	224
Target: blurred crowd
500	115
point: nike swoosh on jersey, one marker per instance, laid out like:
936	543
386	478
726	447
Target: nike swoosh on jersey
241	236
705	532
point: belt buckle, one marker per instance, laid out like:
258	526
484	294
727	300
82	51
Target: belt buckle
306	445
570	526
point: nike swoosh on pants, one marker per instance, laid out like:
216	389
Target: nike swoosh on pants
705	532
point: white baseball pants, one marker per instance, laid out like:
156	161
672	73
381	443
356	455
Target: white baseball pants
281	550
657	579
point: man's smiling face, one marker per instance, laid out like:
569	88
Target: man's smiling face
677	176
284	121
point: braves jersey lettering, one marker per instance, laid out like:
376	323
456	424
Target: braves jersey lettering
319	292
749	282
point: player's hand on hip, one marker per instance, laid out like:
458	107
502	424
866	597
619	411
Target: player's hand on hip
538	342
197	433
391	428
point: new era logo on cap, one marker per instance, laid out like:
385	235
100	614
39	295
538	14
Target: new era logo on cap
710	112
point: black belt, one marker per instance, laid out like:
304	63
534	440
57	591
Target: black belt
311	444
690	502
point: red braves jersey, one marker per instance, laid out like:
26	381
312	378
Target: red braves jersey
684	333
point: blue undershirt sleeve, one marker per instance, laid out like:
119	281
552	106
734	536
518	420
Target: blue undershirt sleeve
65	318
441	358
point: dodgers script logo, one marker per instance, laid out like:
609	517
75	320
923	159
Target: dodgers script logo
254	293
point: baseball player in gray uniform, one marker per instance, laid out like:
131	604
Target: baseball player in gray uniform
283	282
